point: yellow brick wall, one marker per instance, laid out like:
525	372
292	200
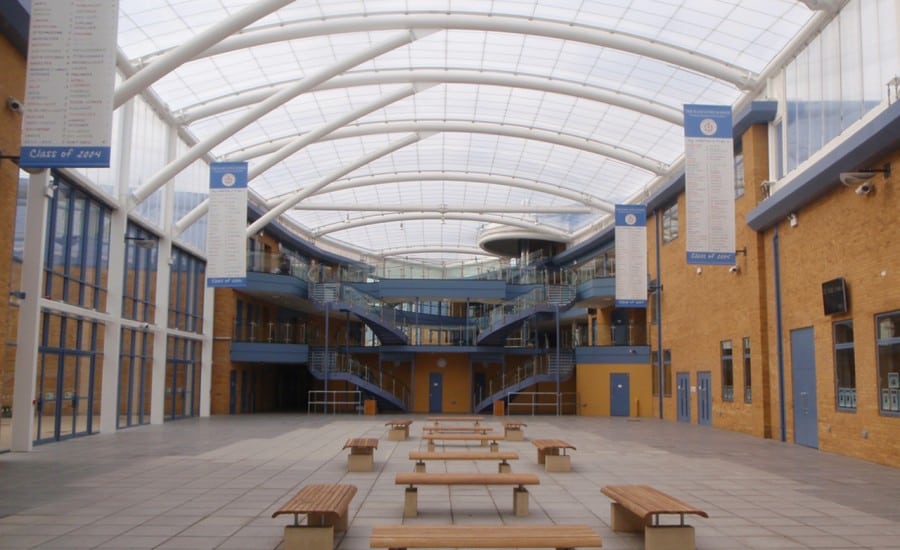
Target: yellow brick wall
703	305
844	235
12	83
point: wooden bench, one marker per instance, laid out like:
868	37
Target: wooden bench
325	506
457	429
512	430
399	429
483	536
362	454
412	479
503	468
483	438
637	508
443	419
552	454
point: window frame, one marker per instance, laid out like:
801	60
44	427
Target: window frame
844	401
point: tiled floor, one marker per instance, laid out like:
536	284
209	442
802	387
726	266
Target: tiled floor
214	483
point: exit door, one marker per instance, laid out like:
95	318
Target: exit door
704	398
618	395
803	378
435	392
683	396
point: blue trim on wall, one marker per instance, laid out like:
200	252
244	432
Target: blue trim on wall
859	151
14	23
255	352
612	355
282	234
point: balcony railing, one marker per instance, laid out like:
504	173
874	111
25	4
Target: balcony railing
291	332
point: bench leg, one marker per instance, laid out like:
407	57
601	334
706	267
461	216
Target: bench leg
430	446
541	455
520	502
411	502
669	537
495	447
504	468
558	463
308	538
360	462
484	443
420	466
514	435
323	520
397	434
622	519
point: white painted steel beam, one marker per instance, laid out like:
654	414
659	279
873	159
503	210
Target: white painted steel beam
668	53
172	59
283	96
540	83
547	135
292	200
556	234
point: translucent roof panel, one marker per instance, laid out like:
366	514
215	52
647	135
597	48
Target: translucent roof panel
527	113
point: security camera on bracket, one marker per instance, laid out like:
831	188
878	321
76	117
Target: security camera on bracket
865	188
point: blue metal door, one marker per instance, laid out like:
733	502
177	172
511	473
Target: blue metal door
435	392
618	394
704	398
803	381
683	396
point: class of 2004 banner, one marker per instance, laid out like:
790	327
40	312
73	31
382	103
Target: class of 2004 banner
631	255
226	240
709	184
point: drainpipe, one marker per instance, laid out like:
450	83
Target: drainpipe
779	332
660	374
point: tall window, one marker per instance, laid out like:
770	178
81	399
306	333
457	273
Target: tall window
186	292
738	175
844	366
727	371
748	392
76	250
667	372
888	338
670	223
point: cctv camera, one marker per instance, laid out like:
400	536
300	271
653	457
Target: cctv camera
145	326
14	105
864	189
733	269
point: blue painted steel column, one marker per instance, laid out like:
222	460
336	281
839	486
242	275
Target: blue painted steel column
779	334
327	307
660	374
558	411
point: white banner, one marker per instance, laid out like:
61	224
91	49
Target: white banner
69	84
631	255
709	184
226	238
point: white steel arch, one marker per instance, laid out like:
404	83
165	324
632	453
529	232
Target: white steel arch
550	232
605	38
508	130
540	83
